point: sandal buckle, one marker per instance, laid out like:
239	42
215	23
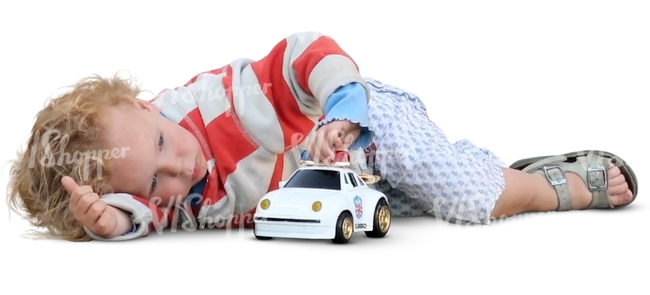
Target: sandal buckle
557	181
603	178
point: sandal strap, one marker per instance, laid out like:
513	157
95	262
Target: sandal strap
555	176
544	162
592	169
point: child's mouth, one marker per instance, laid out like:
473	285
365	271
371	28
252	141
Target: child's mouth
197	171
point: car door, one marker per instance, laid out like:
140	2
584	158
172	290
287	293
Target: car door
359	201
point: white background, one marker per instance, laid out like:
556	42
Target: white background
491	71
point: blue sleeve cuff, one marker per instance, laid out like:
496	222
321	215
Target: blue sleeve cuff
134	227
349	103
305	156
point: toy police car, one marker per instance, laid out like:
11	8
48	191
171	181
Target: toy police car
323	202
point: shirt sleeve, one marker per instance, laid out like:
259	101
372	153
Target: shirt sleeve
311	76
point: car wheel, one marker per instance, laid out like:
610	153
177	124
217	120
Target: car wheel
381	220
263	238
344	228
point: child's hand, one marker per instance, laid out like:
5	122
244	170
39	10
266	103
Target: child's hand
336	135
92	212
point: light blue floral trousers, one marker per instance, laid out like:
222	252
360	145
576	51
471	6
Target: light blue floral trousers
422	173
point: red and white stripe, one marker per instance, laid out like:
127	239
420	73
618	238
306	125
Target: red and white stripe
250	116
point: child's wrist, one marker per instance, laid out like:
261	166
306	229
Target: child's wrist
125	224
134	227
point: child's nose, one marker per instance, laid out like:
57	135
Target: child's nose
174	167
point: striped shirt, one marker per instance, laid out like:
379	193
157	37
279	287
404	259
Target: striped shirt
251	119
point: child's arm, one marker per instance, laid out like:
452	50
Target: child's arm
136	213
303	77
310	75
113	216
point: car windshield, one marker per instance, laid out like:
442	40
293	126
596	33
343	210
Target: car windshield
315	178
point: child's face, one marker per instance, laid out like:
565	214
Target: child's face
163	160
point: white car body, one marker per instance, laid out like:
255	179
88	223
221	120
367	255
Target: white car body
290	213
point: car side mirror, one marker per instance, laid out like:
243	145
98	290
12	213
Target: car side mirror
282	183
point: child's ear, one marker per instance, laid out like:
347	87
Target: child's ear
146	105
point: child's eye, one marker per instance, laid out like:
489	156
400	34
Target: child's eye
154	181
160	140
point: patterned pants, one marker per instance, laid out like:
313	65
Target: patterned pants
422	173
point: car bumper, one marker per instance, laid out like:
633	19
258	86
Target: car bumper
280	227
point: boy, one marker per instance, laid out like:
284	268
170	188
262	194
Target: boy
202	155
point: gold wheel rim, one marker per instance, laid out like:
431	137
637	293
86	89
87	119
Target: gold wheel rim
347	228
384	219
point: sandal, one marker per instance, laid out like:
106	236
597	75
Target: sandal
590	165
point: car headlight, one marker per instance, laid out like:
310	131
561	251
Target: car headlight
316	206
265	204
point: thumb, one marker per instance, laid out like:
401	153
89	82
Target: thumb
69	184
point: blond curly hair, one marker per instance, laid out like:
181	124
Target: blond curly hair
62	141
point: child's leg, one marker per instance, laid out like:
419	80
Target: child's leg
459	181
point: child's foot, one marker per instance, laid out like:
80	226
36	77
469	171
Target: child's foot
618	192
586	179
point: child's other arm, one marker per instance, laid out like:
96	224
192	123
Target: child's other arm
112	217
310	75
137	217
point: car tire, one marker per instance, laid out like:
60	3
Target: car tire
262	238
344	228
381	220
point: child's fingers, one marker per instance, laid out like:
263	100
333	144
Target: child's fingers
329	135
80	193
311	147
69	184
105	223
348	138
80	204
337	141
346	133
89	210
318	153
326	154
